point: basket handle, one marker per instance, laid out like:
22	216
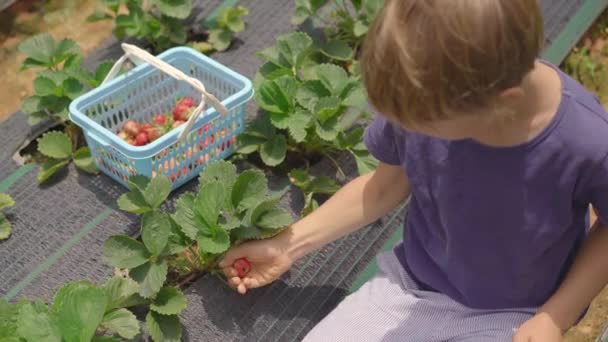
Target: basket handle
135	53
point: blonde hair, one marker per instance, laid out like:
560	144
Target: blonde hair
425	60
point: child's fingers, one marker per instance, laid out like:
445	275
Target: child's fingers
251	283
234	282
242	289
230	271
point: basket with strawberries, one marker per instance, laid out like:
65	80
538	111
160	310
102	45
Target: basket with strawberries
137	134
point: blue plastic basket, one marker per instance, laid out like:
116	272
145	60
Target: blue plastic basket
145	91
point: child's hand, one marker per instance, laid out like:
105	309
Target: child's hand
540	328
268	261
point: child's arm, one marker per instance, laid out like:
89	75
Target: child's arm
360	202
587	277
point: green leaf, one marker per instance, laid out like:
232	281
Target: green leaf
44	86
305	9
72	88
179	9
178	241
371	8
84	161
65	49
310	205
349	140
138	182
79	308
219	171
119	290
185	216
164	328
220	39
310	92
324	185
251	186
298	124
36	118
102	71
338	50
157	191
247	144
202	47
122	322
169	301
273	55
276	96
273	71
301	179
231	18
365	162
5	227
261	127
230	222
57	76
124	252
155	231
247	233
327	108
209	202
274	150
98	15
31	105
39	48
356	97
334	78
31	63
294	47
49	168
274	218
150	276
217	243
36	324
360	29
6	201
55	144
105	339
328	130
133	202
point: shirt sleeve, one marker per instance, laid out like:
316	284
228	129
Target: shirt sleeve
598	191
381	141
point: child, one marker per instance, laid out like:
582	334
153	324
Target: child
501	153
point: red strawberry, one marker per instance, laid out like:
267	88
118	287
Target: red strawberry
142	139
242	267
131	141
132	128
188	101
123	135
178	123
181	112
160	119
153	133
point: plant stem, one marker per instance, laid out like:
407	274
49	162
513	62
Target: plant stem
336	164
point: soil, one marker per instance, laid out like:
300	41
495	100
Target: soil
61	19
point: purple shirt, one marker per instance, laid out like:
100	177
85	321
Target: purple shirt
498	228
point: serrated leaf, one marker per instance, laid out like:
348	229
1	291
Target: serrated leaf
371	8
277	96
119	290
31	105
202	47
216	243
124	252
349	118
274	218
355	97
328	130
150	276
105	339
102	71
44	86
31	63
156	229
157	191
338	50
57	76
273	55
247	233
365	162
350	139
49	168
169	301
79	308
271	71
298	124
164	328
310	205
138	182
230	223
334	78
300	178
185	216
40	48
55	145
65	49
36	118
98	15
248	144
231	18
36	324
5	227
261	127
305	9
220	171
72	88
84	161
6	201
122	322
220	39
310	92
133	202
323	185
251	186
254	214
274	150
178	241
294	47
179	9
360	28
327	108
209	202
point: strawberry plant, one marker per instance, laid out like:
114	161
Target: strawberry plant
311	186
6	201
58	150
309	106
61	79
221	31
346	21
